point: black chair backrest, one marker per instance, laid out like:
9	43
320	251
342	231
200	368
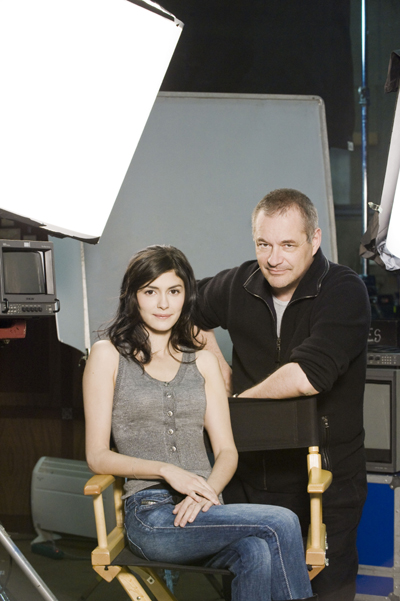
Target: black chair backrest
269	424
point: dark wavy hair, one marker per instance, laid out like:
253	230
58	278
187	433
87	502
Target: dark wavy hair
127	331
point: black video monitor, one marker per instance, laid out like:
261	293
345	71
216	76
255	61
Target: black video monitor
27	279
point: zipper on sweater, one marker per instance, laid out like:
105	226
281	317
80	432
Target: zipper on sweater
326	462
265	473
278	352
278	340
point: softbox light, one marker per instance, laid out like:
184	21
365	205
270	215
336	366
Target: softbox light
78	79
381	241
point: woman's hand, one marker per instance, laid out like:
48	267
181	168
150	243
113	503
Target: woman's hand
188	509
192	485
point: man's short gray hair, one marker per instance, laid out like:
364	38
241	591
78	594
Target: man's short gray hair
281	200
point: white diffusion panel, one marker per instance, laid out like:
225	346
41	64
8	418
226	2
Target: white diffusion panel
78	80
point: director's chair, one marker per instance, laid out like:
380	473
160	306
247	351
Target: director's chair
258	424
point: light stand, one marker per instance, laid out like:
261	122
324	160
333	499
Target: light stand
25	566
364	102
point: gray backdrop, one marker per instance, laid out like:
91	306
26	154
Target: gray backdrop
202	164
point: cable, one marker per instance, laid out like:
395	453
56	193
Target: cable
49	549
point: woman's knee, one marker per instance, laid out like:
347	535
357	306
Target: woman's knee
253	552
282	527
275	517
287	520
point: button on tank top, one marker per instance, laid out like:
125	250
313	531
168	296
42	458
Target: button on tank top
161	421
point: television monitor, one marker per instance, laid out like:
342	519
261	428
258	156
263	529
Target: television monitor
382	419
27	279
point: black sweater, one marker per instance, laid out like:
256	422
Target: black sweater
324	329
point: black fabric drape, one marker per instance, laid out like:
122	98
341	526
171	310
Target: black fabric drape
268	47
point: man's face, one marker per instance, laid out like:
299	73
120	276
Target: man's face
283	252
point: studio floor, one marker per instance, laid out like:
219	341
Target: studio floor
73	579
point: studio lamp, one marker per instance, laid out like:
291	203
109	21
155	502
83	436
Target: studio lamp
381	242
78	79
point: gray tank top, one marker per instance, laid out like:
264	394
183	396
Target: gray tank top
161	421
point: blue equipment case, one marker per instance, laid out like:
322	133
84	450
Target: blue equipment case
378	541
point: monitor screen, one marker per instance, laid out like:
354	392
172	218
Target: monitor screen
24	272
378	420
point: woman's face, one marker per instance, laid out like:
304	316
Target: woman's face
161	301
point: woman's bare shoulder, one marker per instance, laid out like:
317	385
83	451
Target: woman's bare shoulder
206	361
103	351
104	346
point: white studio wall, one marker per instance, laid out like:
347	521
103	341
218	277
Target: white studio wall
79	79
202	164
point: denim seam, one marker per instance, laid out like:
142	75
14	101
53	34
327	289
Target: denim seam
137	547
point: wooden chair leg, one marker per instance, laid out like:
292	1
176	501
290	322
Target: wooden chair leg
132	586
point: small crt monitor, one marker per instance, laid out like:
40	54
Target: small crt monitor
27	279
382	419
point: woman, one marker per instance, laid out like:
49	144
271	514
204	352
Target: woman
154	387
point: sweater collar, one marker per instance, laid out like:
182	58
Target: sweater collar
309	285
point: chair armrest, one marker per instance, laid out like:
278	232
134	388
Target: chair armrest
318	480
109	545
106	552
97	484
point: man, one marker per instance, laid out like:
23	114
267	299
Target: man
299	326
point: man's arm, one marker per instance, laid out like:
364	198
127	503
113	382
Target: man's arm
212	345
286	382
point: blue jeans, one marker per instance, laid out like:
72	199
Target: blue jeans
260	544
